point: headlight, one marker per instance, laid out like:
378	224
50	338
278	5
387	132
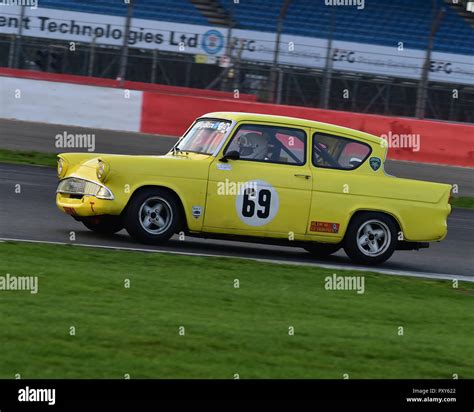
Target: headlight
62	167
102	170
76	186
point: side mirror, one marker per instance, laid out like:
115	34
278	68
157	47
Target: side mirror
232	155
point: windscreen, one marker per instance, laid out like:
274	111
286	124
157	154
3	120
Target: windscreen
205	136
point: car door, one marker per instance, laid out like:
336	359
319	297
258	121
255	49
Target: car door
267	191
337	183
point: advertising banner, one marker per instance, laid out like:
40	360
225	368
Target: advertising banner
257	46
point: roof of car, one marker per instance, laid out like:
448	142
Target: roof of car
295	121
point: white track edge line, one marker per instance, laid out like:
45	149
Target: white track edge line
427	275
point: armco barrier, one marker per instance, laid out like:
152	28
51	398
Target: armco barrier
70	104
439	142
100	82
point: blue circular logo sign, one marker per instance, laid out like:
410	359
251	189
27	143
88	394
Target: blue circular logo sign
212	41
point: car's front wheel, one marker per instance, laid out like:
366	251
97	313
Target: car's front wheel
371	238
106	225
153	216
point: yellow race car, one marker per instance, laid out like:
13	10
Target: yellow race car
259	178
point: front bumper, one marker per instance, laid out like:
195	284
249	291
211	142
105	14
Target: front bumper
81	197
85	206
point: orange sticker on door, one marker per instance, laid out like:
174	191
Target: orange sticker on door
327	227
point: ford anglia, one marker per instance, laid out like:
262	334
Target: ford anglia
259	178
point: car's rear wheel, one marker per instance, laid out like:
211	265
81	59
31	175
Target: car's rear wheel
323	250
371	238
104	224
153	216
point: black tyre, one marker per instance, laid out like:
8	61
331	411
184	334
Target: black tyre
322	250
104	224
371	238
153	216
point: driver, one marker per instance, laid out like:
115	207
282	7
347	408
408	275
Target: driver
254	146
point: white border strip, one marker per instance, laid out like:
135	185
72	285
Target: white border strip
426	275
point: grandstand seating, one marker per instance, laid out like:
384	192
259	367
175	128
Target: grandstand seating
380	22
383	22
181	11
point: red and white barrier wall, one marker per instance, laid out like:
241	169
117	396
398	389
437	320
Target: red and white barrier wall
70	104
168	110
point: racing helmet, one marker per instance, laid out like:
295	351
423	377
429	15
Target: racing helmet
253	145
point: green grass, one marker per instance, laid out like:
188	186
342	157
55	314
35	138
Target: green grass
30	158
464	201
227	330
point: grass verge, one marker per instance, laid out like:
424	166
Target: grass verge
464	202
29	158
227	330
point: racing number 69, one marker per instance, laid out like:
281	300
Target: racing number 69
264	201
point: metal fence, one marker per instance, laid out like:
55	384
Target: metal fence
270	82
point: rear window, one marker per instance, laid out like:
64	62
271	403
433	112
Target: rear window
335	152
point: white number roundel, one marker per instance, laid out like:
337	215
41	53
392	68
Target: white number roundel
257	203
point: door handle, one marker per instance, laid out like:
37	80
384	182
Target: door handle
305	176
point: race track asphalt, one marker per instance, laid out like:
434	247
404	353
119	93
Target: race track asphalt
32	215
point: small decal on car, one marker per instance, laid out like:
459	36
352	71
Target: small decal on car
327	227
197	212
223	166
375	163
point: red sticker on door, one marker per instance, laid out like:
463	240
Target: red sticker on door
327	227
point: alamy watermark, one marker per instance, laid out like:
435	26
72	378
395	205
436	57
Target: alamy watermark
12	282
229	188
401	141
336	282
28	394
75	141
32	4
360	4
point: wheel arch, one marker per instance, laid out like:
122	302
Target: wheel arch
361	211
162	187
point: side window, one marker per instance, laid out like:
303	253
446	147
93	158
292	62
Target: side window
272	144
335	152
